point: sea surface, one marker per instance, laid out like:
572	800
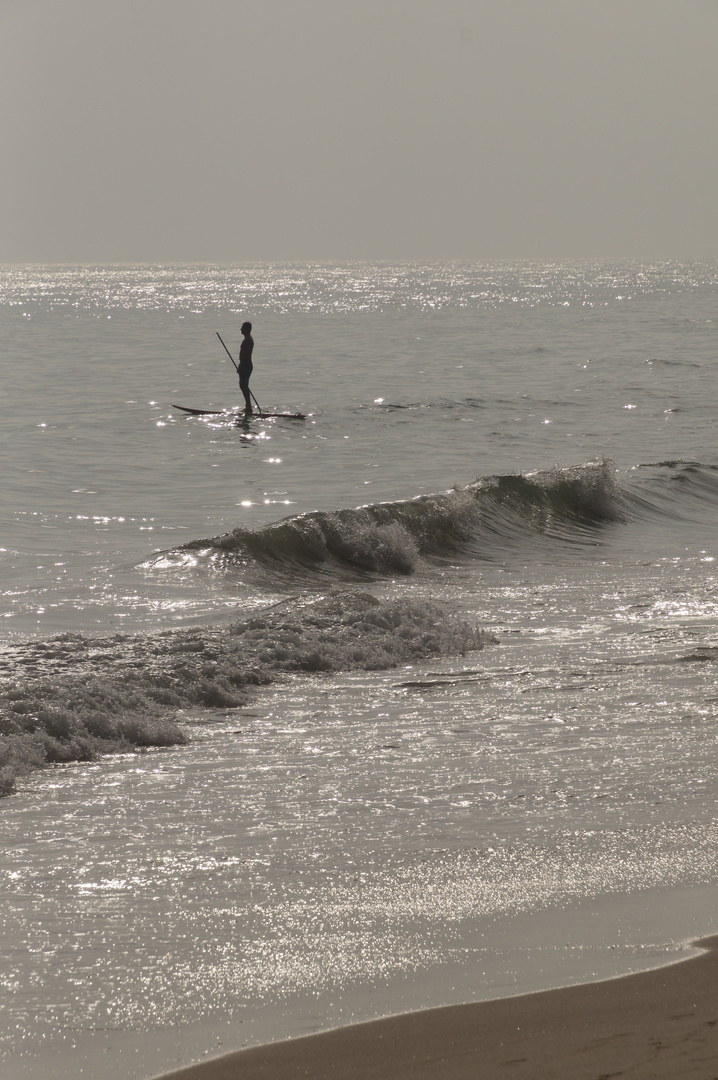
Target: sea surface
290	707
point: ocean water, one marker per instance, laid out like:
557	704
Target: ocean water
287	707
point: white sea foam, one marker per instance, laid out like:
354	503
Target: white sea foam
75	697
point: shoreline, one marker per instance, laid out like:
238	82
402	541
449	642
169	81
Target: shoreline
661	1024
498	960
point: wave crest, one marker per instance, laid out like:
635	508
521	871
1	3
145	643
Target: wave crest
383	539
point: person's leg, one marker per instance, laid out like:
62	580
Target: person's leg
244	387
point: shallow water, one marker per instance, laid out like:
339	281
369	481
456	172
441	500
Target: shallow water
488	692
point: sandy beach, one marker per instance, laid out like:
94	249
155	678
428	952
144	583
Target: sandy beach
657	1024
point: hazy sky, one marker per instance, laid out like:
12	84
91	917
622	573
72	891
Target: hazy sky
233	130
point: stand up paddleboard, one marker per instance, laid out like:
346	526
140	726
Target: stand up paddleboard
239	414
199	412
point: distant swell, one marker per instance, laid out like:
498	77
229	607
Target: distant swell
74	697
676	489
384	539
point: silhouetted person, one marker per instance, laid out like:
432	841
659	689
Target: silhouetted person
245	365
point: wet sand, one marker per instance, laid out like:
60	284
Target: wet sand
656	1024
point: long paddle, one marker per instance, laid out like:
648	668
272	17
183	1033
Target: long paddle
237	370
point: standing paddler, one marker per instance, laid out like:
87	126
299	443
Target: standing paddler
245	365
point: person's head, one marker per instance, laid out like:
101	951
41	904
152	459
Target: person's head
246	328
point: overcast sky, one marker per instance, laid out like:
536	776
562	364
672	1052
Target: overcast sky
234	130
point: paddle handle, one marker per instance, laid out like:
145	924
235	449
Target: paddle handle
227	351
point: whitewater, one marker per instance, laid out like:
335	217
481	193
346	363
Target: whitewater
307	721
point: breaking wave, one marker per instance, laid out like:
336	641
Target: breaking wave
384	539
74	697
